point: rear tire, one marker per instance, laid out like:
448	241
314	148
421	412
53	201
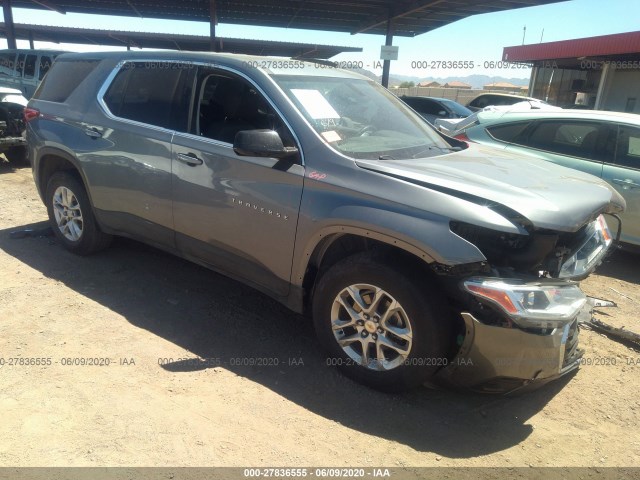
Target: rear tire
382	327
71	215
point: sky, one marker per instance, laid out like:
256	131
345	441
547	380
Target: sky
478	39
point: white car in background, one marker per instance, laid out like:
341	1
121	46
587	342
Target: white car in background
450	126
12	126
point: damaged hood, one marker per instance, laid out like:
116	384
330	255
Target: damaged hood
548	195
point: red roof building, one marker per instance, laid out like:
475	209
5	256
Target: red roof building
598	72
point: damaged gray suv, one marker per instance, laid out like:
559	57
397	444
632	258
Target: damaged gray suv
420	258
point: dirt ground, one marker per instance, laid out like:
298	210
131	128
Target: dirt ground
151	316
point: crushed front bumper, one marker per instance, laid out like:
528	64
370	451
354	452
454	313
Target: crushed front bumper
494	359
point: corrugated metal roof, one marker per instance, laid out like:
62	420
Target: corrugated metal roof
45	33
411	17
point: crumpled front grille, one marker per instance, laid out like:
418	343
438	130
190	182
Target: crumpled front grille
571	350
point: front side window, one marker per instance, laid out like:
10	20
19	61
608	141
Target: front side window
628	147
226	104
145	93
361	119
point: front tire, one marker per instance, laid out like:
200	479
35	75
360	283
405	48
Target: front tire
382	327
71	215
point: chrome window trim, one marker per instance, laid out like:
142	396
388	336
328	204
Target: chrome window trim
120	66
103	90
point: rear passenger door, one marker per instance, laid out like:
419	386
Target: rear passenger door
237	214
623	173
129	167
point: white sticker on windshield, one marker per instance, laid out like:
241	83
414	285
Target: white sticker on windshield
331	136
315	104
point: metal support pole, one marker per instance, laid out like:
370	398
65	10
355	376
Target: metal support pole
532	81
600	97
213	20
31	40
386	66
8	23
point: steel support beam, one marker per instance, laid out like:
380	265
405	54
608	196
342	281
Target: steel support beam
8	22
386	66
413	8
213	21
50	6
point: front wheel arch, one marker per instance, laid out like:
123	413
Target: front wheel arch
424	310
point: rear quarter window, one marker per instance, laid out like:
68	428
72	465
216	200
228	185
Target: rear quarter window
144	94
63	78
510	133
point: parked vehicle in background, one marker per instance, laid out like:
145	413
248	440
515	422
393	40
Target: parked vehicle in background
419	258
12	139
499	99
432	108
604	144
449	127
25	69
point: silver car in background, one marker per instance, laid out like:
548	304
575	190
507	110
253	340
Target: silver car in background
604	144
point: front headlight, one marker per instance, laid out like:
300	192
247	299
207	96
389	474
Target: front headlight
533	305
589	255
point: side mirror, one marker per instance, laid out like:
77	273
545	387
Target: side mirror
261	143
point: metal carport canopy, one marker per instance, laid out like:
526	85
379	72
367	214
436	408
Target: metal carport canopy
172	41
406	18
410	18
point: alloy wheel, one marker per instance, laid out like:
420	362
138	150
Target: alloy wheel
371	327
68	213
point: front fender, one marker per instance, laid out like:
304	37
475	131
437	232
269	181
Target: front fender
428	238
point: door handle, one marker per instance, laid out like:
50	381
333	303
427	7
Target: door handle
189	159
626	183
93	133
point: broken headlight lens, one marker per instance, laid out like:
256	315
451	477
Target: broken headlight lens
535	305
589	255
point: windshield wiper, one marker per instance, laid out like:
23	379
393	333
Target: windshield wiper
451	149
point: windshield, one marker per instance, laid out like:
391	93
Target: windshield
361	119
